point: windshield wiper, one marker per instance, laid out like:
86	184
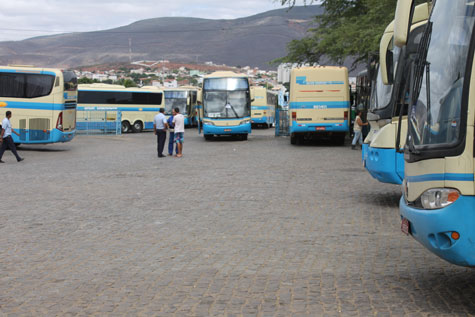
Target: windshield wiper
230	106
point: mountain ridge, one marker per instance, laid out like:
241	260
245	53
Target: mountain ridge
253	41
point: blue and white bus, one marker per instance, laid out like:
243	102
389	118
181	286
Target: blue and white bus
43	103
263	106
226	101
319	103
138	106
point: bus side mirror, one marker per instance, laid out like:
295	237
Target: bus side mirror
199	97
402	20
251	93
385	55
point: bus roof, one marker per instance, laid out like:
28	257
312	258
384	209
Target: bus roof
101	86
29	69
225	74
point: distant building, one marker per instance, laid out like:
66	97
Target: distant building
170	83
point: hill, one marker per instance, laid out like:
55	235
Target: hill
252	41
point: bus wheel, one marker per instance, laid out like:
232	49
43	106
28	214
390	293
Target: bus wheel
125	127
244	137
339	139
17	144
137	127
293	139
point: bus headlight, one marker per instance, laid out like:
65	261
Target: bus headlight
437	198
245	121
208	122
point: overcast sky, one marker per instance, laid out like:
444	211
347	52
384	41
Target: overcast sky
21	19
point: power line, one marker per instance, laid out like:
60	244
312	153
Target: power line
146	32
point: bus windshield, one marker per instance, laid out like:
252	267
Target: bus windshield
226	98
226	104
381	94
435	117
175	99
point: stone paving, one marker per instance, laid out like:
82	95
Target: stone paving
101	226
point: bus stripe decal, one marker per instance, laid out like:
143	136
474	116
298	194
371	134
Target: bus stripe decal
35	105
458	177
312	104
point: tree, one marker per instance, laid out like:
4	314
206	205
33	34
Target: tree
348	28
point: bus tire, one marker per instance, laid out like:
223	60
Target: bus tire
244	137
339	139
293	139
137	127
17	144
125	127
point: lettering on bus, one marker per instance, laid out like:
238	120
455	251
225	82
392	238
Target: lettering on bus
320	107
302	80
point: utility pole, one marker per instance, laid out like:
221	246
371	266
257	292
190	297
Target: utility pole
130	50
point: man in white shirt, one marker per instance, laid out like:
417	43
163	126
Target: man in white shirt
179	122
6	140
160	126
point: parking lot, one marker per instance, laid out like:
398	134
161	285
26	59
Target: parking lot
101	226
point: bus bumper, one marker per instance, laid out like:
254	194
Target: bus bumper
364	153
42	137
261	120
385	165
227	130
433	229
319	127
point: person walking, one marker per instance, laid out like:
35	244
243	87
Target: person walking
357	129
6	140
160	127
179	122
171	136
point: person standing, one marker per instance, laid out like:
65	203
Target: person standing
179	122
171	136
357	129
6	140
160	127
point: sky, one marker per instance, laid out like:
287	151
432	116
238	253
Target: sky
21	19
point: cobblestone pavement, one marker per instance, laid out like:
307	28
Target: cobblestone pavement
101	226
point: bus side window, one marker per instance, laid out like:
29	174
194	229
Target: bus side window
56	84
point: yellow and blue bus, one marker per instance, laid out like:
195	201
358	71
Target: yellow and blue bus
226	101
43	103
138	106
263	106
184	98
319	103
438	204
382	155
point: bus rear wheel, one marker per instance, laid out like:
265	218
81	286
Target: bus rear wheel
137	127
293	139
125	127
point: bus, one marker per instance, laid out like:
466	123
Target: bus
319	103
438	203
226	102
184	98
43	103
263	107
138	106
382	155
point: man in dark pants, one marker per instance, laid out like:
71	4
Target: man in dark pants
6	140
160	126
